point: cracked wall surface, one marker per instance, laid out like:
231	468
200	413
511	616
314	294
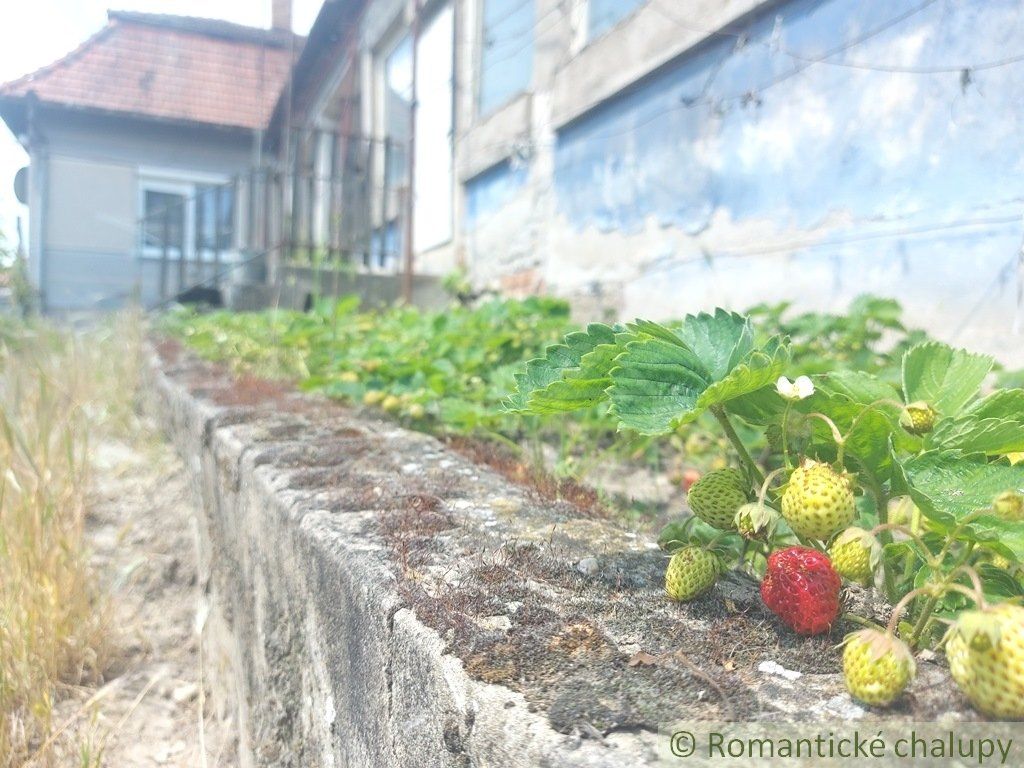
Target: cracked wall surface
808	150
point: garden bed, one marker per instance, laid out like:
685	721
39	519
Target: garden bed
378	596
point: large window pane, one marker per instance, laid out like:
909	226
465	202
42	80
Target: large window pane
397	107
214	218
433	194
164	221
506	58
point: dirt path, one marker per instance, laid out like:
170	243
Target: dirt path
140	527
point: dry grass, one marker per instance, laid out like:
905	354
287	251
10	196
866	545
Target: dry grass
58	389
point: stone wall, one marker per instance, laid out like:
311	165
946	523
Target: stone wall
370	597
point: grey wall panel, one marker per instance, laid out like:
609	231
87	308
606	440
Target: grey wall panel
92	206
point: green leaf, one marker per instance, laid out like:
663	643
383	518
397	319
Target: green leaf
759	408
560	381
656	385
659	385
643	328
869	430
857	386
758	371
948	486
720	341
993	425
943	377
997	584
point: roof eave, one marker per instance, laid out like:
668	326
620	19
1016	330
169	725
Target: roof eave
20	103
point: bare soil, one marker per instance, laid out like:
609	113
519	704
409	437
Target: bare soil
153	709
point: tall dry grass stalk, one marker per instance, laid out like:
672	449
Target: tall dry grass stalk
58	391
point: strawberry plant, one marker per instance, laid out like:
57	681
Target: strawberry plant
908	477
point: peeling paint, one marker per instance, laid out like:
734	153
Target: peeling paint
781	160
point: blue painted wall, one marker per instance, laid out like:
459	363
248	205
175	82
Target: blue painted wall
717	130
506	53
488	192
907	183
602	15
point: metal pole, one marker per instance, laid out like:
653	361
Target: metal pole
164	266
218	201
181	250
410	154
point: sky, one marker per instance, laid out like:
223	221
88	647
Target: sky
37	33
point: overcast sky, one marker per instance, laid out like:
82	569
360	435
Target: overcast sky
35	33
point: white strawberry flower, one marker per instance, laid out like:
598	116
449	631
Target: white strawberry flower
795	390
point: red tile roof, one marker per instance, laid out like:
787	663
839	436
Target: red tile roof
172	68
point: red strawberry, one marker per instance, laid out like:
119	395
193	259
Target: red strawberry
802	588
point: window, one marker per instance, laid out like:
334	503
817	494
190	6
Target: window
214	214
433	194
506	51
602	15
397	109
432	222
187	220
163	228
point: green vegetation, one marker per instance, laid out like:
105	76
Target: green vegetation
450	371
446	370
905	469
889	461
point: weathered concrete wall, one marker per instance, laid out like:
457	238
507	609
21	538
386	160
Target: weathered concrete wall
809	150
371	598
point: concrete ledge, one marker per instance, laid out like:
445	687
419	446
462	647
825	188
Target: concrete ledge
372	598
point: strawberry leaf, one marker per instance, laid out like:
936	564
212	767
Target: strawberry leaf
656	385
943	377
992	425
571	375
949	485
720	341
857	386
660	382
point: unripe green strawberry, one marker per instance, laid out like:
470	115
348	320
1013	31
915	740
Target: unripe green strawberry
818	501
716	497
1009	505
985	650
697	443
918	418
691	571
756	521
855	553
994	558
877	666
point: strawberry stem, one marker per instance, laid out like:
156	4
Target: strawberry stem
754	473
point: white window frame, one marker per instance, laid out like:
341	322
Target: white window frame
177	183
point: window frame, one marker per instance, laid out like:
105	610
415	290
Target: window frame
188	185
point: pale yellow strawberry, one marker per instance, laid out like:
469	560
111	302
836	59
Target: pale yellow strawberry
877	666
818	501
985	649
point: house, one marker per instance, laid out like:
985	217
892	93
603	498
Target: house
653	157
656	157
134	140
